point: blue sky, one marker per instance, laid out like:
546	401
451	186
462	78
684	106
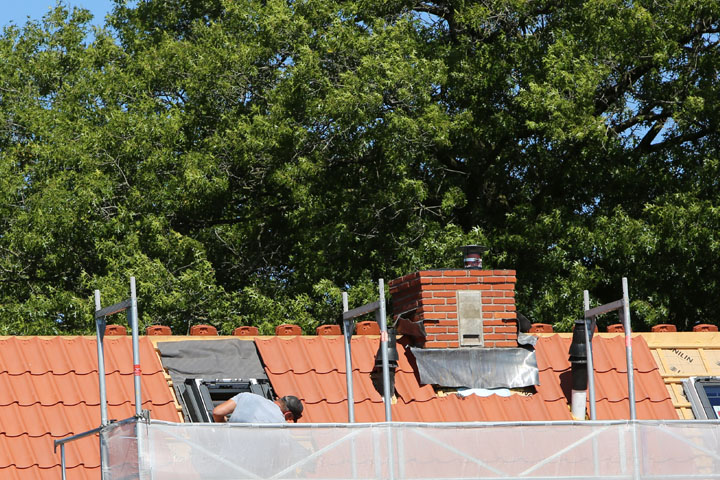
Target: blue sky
17	11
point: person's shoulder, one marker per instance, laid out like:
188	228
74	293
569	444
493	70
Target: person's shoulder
250	397
242	396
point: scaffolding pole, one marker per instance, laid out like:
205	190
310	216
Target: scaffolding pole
137	371
380	317
588	348
622	306
347	335
130	307
628	348
387	394
100	333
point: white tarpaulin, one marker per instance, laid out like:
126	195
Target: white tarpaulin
633	450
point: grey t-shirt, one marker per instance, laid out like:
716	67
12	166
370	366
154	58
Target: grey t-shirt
252	408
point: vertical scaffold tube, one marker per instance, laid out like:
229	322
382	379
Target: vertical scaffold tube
630	377
387	394
62	461
590	364
100	332
628	348
347	333
137	372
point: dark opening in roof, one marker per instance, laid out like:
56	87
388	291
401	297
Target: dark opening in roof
199	397
205	373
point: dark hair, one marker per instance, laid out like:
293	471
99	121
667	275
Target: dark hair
294	405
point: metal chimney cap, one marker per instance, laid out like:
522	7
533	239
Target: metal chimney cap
472	255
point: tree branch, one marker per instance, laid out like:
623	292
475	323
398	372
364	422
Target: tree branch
610	94
645	115
651	134
679	140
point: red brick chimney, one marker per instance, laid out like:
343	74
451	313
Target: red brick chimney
461	307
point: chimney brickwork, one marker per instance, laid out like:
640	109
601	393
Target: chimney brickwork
432	296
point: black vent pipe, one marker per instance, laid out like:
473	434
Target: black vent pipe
393	357
579	361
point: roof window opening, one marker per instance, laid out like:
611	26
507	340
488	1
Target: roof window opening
205	373
704	396
199	397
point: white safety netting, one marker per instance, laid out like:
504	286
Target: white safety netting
644	450
119	449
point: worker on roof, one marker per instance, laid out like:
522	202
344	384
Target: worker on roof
251	408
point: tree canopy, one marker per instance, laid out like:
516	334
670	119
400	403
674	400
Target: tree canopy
248	160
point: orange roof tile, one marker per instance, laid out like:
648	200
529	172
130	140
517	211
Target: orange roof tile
651	395
314	369
49	390
289	364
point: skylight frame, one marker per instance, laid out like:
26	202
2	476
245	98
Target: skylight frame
697	395
198	396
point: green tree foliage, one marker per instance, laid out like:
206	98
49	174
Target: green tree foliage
249	160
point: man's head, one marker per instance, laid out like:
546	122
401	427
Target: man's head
291	406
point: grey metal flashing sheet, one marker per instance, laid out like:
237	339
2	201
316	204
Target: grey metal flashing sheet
216	359
477	367
526	339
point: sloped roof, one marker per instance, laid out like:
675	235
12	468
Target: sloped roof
49	390
653	401
313	368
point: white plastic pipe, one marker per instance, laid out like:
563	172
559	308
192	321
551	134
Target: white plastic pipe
578	399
